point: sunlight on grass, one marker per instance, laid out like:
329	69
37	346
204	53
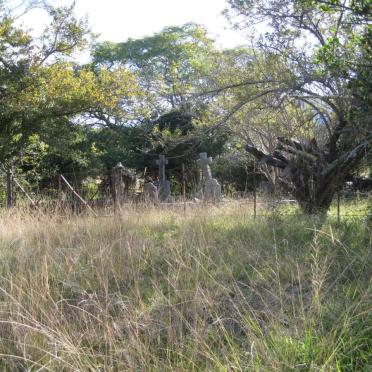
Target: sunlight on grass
158	290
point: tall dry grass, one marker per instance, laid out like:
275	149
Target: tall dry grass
156	290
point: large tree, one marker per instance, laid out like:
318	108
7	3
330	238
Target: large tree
40	84
323	50
168	63
170	66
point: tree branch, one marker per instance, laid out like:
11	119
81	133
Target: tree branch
266	158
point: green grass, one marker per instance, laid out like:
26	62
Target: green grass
159	291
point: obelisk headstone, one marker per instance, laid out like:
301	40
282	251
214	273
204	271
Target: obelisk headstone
164	190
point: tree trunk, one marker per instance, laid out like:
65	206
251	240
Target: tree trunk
318	204
313	191
312	175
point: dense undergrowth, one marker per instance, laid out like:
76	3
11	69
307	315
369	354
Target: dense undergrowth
159	291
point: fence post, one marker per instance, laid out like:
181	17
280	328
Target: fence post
60	191
254	190
246	181
184	187
338	194
118	186
84	202
9	188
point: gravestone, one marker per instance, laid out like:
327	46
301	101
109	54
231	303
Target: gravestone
164	191
150	191
212	189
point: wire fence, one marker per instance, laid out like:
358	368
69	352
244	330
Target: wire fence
104	195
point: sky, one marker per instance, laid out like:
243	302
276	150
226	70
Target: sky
118	20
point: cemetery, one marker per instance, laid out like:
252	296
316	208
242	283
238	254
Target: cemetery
127	189
185	185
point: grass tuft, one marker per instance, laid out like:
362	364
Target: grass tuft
210	290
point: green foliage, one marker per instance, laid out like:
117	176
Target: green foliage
174	93
110	145
313	63
40	87
168	64
234	171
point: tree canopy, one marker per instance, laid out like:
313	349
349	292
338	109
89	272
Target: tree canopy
40	83
297	97
322	51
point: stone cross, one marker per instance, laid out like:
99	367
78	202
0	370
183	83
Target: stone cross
204	162
162	162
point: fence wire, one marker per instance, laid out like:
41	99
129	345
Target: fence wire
97	192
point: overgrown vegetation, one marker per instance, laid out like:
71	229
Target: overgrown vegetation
297	97
211	288
160	290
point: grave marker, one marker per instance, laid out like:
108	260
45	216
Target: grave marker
212	189
164	191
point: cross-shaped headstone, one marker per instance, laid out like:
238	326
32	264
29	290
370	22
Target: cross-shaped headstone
162	162
204	162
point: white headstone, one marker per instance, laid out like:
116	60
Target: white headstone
212	189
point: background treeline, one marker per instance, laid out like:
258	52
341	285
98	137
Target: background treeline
298	99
